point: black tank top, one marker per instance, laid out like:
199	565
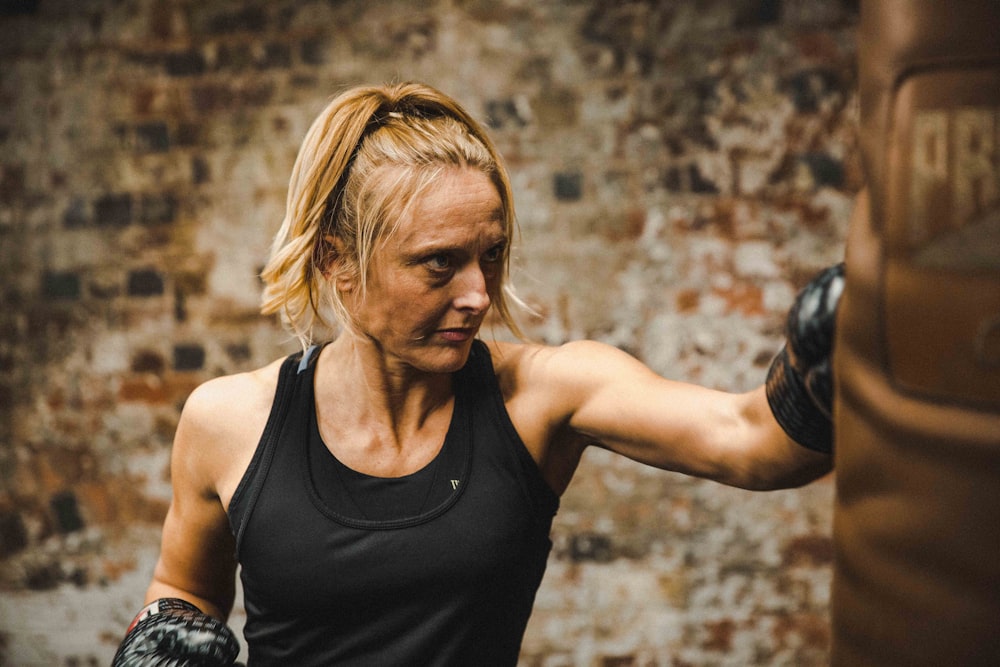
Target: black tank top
451	583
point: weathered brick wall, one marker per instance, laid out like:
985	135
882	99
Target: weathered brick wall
680	168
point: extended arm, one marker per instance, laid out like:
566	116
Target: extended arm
771	437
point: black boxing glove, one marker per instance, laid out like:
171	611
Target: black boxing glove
174	633
800	383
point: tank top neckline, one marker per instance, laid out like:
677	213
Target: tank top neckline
451	464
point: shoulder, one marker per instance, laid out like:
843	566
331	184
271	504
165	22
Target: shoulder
231	397
560	377
527	364
220	426
543	388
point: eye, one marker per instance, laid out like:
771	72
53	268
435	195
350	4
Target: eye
438	262
495	254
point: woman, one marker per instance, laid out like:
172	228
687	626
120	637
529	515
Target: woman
389	494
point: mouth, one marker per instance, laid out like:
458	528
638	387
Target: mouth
457	335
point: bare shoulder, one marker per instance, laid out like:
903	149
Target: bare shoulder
219	428
543	387
564	368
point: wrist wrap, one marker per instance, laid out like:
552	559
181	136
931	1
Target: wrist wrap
799	384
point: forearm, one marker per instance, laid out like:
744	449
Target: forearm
218	605
767	459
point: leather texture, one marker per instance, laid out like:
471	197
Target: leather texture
917	353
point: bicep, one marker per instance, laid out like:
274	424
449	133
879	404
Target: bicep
197	564
625	407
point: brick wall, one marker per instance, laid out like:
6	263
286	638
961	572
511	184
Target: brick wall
680	167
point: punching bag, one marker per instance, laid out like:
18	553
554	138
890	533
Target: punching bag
917	354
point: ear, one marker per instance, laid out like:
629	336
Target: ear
337	267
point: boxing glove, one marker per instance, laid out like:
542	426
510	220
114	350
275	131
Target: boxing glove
174	633
800	384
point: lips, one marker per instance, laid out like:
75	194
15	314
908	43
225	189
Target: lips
457	335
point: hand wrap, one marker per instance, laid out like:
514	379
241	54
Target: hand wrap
800	383
174	633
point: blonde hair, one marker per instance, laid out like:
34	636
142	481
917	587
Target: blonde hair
364	160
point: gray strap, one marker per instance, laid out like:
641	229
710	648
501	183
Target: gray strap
306	356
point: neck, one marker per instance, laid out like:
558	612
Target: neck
380	390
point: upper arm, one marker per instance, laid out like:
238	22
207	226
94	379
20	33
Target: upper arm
614	400
197	555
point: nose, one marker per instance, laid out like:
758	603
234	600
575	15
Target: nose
472	293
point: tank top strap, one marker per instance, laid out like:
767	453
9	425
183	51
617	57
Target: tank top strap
493	409
290	378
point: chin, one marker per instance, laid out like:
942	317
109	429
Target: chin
444	359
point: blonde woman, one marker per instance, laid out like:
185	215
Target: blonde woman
388	492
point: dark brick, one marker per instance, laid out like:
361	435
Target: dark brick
825	169
568	186
145	282
66	512
43	576
113	210
46	324
61	285
276	55
76	214
148	361
234	56
152	137
503	113
19	7
122	135
812	550
210	97
13	534
258	94
757	13
158	208
238	352
808	87
12	182
191	282
313	51
688	179
251	19
591	547
187	134
189	357
7	363
180	304
699	183
161	23
200	172
185	63
143	58
619	661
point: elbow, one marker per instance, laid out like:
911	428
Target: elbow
802	470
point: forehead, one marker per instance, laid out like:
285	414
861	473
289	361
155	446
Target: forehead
459	201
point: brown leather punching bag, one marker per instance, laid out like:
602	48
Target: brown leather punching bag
917	356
